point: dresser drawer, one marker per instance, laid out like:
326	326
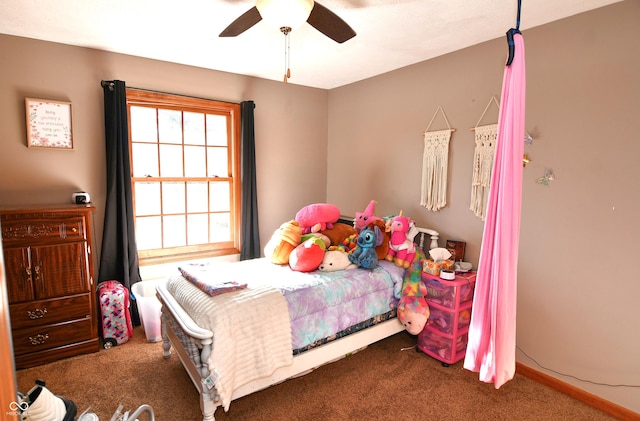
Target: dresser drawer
446	348
16	231
449	321
51	336
44	312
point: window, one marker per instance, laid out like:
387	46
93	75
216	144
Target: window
185	168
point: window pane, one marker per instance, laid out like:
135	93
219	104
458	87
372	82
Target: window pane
170	161
175	231
148	233
197	229
182	151
195	164
217	130
173	197
217	161
147	197
193	128
143	125
220	227
219	197
170	126
145	160
197	197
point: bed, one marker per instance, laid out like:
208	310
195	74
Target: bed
282	325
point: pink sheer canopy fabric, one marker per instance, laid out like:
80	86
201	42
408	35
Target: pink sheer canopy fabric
492	331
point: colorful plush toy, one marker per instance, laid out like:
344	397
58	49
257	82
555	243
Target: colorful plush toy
383	249
365	218
326	240
282	242
317	217
339	232
348	244
401	247
308	255
364	254
335	260
413	309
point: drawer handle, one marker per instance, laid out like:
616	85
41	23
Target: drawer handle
74	230
37	313
39	339
36	269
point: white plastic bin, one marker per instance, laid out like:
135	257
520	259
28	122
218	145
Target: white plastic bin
148	309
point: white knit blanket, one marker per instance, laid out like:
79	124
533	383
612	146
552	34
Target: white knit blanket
251	332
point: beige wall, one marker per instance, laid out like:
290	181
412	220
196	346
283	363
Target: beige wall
290	122
577	289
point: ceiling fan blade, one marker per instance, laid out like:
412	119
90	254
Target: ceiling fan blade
244	22
330	24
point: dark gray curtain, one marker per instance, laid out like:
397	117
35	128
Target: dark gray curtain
119	254
250	233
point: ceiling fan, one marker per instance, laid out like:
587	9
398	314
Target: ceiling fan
287	14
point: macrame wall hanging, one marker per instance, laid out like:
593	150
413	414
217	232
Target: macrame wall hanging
483	154
435	161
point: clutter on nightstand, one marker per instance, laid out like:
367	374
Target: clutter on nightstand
440	259
456	248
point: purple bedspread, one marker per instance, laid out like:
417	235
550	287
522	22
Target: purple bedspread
321	304
339	300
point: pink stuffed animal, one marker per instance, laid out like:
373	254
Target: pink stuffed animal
401	247
317	217
365	218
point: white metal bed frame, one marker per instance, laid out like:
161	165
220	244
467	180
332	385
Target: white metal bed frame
193	344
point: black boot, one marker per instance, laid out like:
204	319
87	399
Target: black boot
45	406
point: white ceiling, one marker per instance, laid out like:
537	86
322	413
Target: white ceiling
390	34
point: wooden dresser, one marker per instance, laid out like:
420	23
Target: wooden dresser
49	264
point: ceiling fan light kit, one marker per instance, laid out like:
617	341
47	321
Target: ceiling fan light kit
285	13
315	14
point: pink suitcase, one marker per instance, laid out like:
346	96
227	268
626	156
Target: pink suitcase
113	299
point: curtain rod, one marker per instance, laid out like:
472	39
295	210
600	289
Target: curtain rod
186	96
110	84
105	83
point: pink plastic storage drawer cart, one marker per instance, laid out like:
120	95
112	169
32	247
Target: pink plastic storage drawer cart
446	333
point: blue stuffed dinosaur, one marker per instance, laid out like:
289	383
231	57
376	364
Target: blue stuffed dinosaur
364	255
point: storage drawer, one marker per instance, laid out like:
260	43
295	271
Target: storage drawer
451	294
51	336
444	320
16	231
444	348
44	312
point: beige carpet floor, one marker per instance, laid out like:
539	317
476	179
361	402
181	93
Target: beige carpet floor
382	382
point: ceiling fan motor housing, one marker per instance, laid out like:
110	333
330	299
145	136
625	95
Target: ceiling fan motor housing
285	13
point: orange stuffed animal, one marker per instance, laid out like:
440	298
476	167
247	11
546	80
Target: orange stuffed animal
282	242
